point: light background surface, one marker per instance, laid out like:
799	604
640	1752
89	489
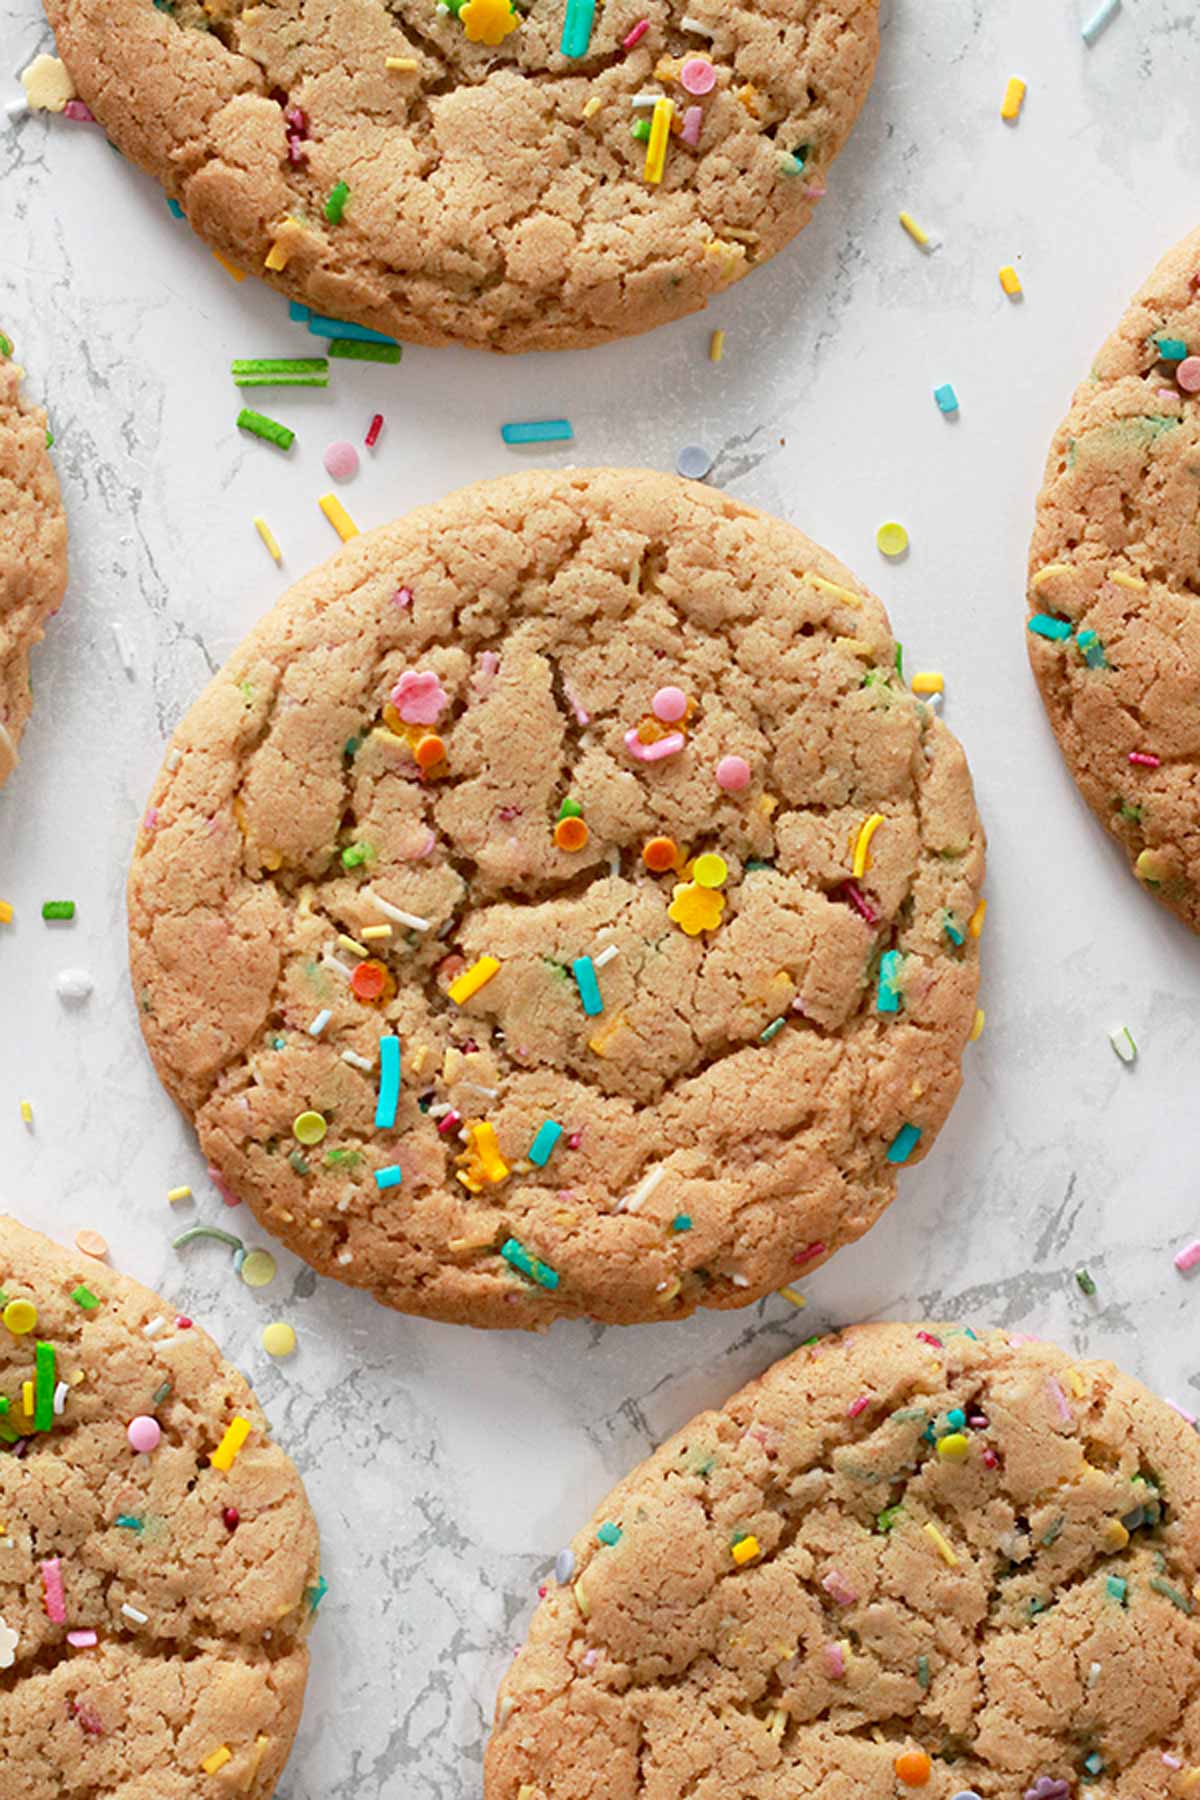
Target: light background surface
445	1467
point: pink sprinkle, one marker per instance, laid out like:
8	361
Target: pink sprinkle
419	696
1144	759
402	597
82	1640
574	1141
183	1323
927	1337
858	1406
835	1586
79	109
489	662
581	717
52	1586
1172	1762
635	35
669	704
1060	1401
1189	1256
698	75
816	190
449	1122
341	461
670	745
1181	1410
222	1186
733	774
859	901
541	1593
1188	375
89	1719
150	819
589	1661
297	154
835	1660
297	118
801	1257
693	119
990	1459
372	437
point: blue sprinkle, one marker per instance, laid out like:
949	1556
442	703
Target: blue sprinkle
175	209
681	1222
584	971
888	999
693	462
298	312
956	1418
904	1143
390	1177
946	398
564	1566
548	1134
537	431
609	1533
320	326
1042	625
1116	1588
1094	1764
1093	650
577	27
1104	15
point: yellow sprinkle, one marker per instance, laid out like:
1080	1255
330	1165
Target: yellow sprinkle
372	932
1010	281
352	944
592	106
977	1025
472	979
599	1041
338	517
581	1599
954	1447
940	1545
27	1112
778	1722
179	1193
1075	1382
1149	868
278	1339
916	232
855	646
277	256
928	681
27	1398
237	274
403	65
1115	1535
831	587
656	143
716	346
217	1759
863	844
975	922
792	1297
486	1146
891	539
526	1792
268	537
1133	582
669	1292
745	1550
20	1316
235	1436
1049	572
1014	96
6	912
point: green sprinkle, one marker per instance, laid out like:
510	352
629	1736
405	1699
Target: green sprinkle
58	909
335	206
353	350
609	1533
681	1222
910	1415
3	1404
570	809
49	438
298	1163
1052	1533
8	1433
1116	1588
900	661
281	371
885	1520
1178	1600
129	1522
518	1257
640	129
270	430
354	855
206	1231
1086	1284
342	1158
1042	625
83	1296
6	345
43	1392
771	1031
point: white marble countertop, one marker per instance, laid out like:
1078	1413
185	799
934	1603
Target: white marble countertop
446	1469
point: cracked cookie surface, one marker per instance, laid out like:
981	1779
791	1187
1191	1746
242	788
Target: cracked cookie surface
33	549
905	1551
153	1606
1114	584
494	191
625	1091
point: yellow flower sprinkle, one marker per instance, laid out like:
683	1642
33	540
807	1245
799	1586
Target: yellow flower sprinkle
488	21
695	909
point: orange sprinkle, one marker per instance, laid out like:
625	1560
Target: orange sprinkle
660	854
369	980
913	1767
570	834
429	751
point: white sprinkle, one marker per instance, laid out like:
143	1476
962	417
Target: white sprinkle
345	1256
692	24
614	862
605	956
1093	1674
1122	1042
131	1612
320	1022
154	1326
440	1110
488	1093
16	109
335	963
414	921
60	1396
643	1190
74	984
356	1061
740	1280
646	98
174	758
123	647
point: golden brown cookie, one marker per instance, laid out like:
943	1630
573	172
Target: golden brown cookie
908	1563
158	1559
558	905
33	549
446	173
1114	576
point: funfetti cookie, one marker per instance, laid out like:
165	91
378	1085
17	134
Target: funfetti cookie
908	1563
33	548
1114	571
558	905
530	176
158	1558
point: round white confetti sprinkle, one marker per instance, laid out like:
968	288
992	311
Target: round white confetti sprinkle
74	984
693	462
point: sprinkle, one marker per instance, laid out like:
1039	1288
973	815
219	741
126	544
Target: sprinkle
175	1194
693	462
581	1599
280	371
1122	1042
577	28
338	517
977	1025
20	1317
954	1447
793	1298
357	1062
634	1201
6	912
360	350
745	1550
605	956
315	1029
888	999
891	539
1183	1412
975	922
1142	759
946	398
154	1326
835	1659
1014	98
548	1134
656	147
1086	1284
1102	17
270	430
771	1031
335	205
584	971
61	1391
389	1083
258	1269
609	1533
943	1548
52	1589
234	273
928	681
58	909
235	1436
414	921
1116	1587
207	1231
26	1112
373	431
268	537
858	1406
82	1640
216	1759
73	984
916	232
390	1177
537	431
471	980
716	346
689	22
1010	281
519	1258
84	1297
1060	1400
309	1127
1187	1258
1177	1599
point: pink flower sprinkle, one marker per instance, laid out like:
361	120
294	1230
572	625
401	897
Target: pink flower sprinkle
927	1337
858	1406
800	1257
693	118
1060	1401
635	35
835	1586
82	1640
419	697
663	747
835	1659
1145	759
52	1588
1189	1256
859	901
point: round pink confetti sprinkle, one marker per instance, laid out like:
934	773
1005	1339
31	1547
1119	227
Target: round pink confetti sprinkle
669	704
733	774
1188	375
670	745
341	461
144	1434
698	75
635	34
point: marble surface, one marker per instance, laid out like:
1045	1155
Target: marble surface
446	1469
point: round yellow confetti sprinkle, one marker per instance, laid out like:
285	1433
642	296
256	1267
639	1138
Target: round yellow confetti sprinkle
309	1127
20	1316
258	1268
955	1447
278	1339
710	870
892	538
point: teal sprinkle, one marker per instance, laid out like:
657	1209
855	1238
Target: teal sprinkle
956	1418
1181	1601
129	1523
957	938
904	1143
609	1533
1093	650
351	748
771	1031
1094	1764
548	1134
278	1043
681	1222
518	1257
1171	349
160	1394
923	1671
1052	1533
888	997
298	1163
1116	1588
1042	625
1037	1606
313	1596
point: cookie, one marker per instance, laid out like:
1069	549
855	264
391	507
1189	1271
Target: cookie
531	177
1114	630
158	1559
558	905
905	1562
33	549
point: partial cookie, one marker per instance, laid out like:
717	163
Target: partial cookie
906	1561
539	177
558	905
1114	627
33	549
158	1558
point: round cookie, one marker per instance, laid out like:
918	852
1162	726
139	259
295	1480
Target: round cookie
556	792
158	1559
446	174
905	1562
1114	571
33	549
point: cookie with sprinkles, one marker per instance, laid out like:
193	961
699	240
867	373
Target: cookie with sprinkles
559	905
906	1561
1113	626
511	174
33	548
158	1559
